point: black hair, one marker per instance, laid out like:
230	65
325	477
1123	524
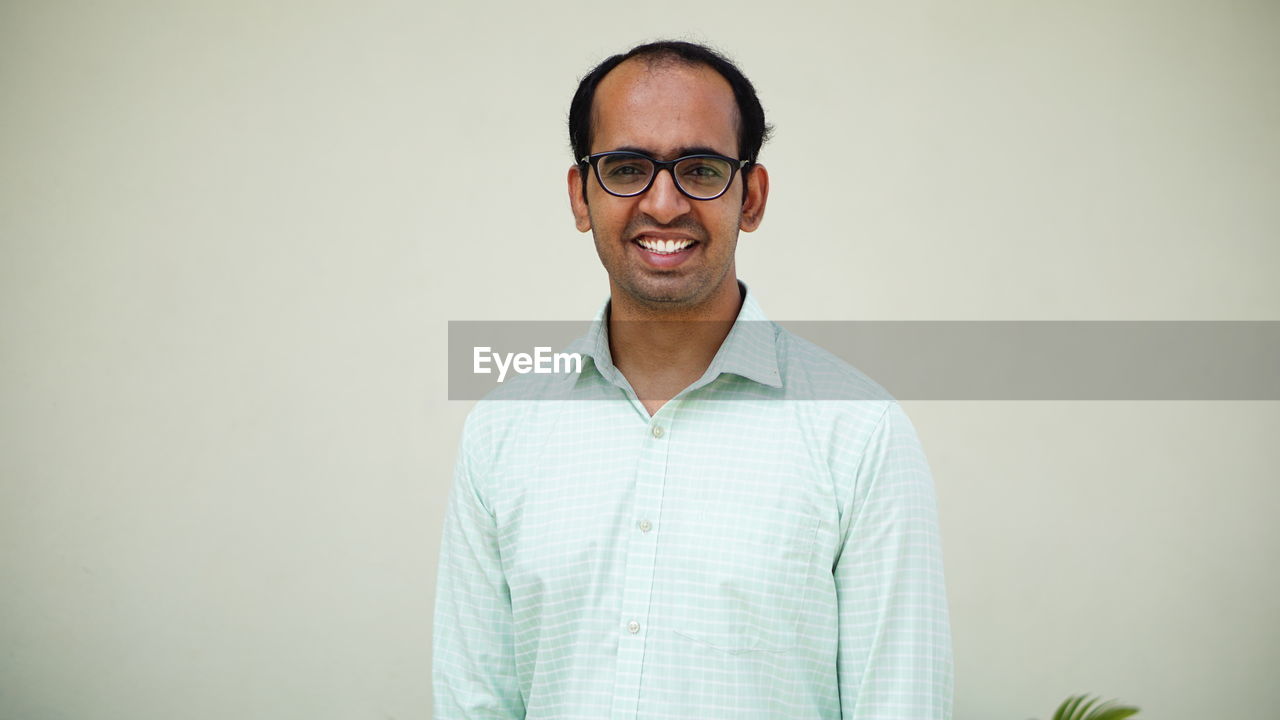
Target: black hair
752	129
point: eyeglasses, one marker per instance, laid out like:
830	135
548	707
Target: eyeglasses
626	174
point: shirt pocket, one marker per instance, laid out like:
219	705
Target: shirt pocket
744	581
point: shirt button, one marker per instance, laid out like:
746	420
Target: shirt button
658	431
645	526
633	627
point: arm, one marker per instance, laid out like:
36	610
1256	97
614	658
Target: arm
473	656
894	660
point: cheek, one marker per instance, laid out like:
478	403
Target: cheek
725	220
609	216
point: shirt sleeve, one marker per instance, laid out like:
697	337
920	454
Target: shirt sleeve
473	658
894	660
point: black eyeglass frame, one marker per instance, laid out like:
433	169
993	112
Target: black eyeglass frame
735	165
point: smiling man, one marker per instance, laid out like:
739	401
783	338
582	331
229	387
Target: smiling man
693	527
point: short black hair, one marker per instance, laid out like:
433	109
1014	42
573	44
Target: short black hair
752	129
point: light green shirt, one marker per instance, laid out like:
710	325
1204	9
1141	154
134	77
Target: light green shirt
740	554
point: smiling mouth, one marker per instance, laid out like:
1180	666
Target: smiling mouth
665	247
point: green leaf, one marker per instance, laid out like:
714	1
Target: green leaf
1068	707
1078	707
1116	712
1083	709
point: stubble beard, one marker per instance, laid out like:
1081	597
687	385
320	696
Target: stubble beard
648	288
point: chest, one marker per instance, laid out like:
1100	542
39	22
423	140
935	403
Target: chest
714	501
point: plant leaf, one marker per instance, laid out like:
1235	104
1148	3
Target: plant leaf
1057	714
1082	710
1067	709
1078	707
1115	712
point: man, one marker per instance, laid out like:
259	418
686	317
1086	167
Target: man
688	530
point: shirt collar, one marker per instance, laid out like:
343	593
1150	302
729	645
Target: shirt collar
749	350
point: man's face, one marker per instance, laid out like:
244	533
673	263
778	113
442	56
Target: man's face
667	111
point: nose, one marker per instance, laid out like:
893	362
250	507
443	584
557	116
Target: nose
663	201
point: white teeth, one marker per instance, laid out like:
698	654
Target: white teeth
664	246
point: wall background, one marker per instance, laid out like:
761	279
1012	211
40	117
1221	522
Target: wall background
233	234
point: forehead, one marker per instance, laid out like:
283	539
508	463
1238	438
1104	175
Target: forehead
664	108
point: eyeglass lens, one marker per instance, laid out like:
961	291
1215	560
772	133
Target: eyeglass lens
702	177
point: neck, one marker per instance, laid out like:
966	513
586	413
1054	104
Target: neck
662	352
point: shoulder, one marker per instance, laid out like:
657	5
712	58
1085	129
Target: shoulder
835	398
810	372
843	412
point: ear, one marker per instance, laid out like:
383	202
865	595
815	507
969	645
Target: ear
578	199
757	195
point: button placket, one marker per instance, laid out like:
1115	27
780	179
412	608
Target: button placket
650	482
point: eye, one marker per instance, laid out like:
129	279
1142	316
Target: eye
703	170
625	170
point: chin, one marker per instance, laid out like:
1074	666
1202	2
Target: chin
668	300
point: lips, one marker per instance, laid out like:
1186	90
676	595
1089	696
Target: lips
664	251
664	247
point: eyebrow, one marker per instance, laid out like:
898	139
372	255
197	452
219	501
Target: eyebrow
679	153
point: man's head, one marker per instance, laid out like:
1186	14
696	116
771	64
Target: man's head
665	249
752	128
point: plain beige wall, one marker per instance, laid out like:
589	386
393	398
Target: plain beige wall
233	233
